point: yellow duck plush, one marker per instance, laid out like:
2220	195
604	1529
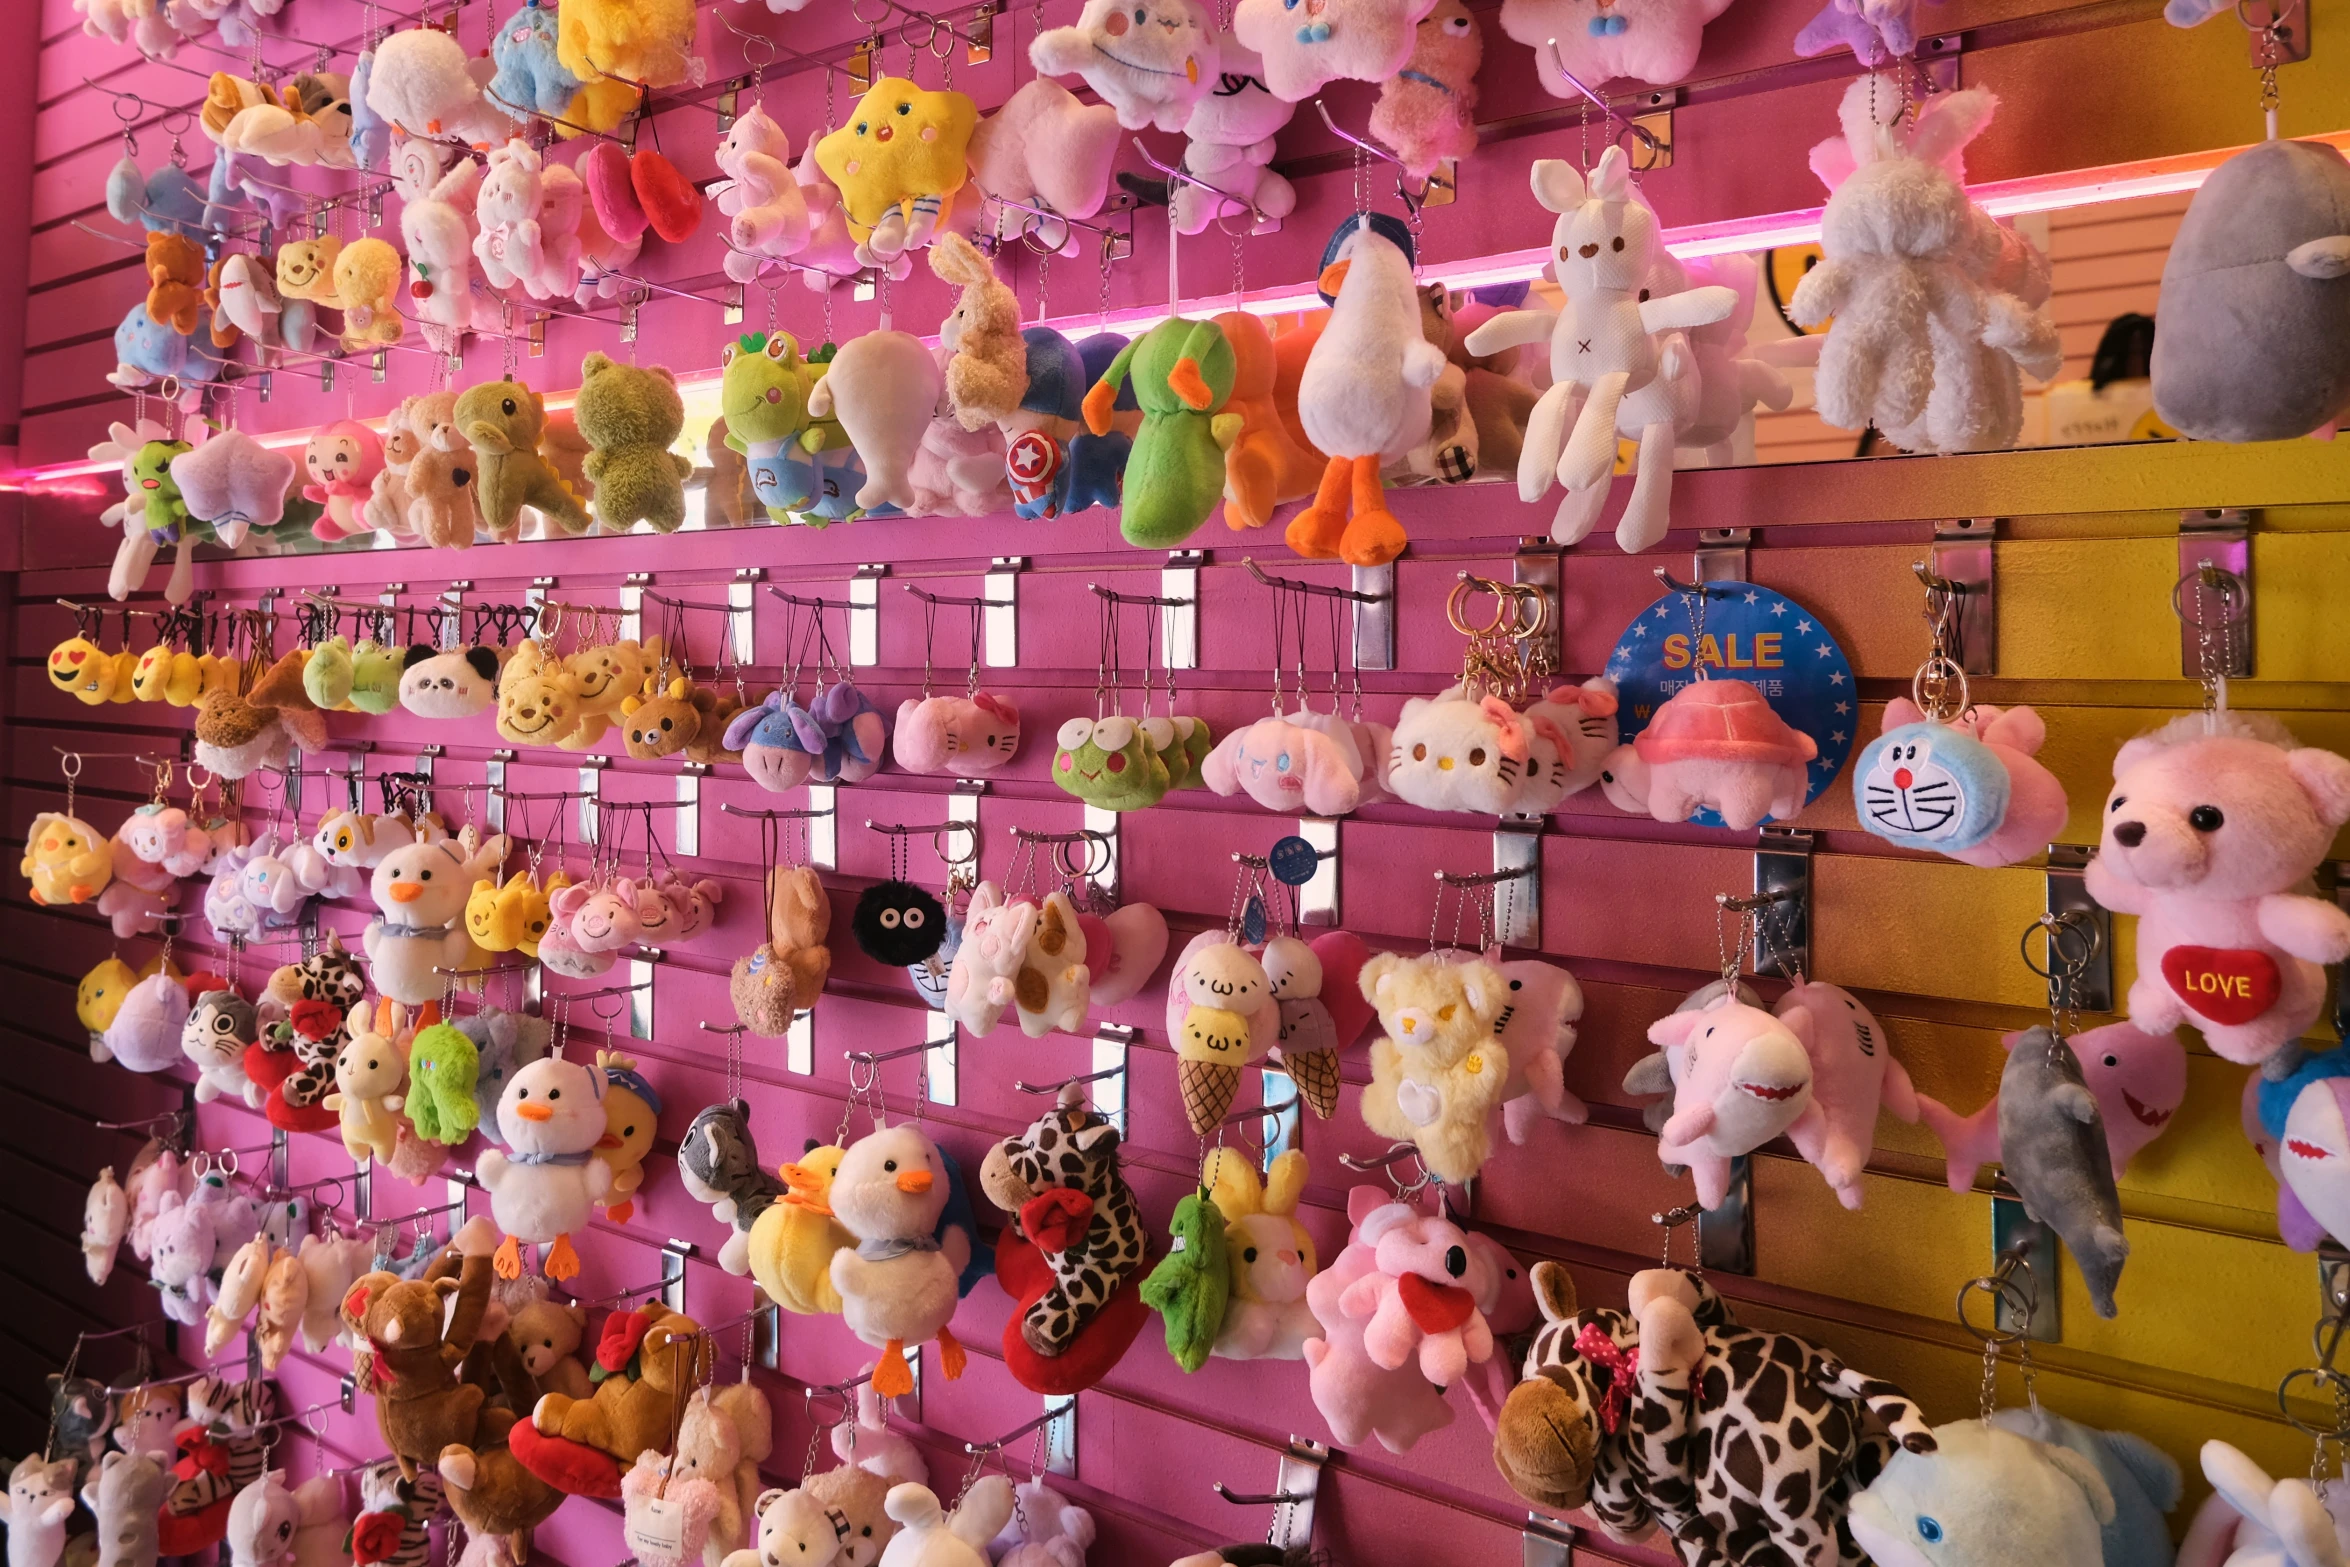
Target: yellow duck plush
66	859
793	1239
100	994
897	162
632	1115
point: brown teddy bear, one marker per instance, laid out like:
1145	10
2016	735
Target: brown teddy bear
412	1362
175	281
580	1445
546	1334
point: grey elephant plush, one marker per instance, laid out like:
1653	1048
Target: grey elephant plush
2252	333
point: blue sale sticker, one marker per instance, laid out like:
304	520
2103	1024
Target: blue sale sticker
1293	861
1751	633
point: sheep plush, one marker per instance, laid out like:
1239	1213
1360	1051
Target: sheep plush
2256	299
1150	61
2211	825
1926	344
1228	146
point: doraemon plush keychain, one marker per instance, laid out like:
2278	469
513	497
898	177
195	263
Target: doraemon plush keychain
1952	777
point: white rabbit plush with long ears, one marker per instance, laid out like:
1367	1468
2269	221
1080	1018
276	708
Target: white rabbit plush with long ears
1617	360
1935	307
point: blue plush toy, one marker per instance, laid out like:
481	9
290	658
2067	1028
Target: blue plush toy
146	353
1097	463
2142	1477
371	133
1036	461
530	78
960	1215
1930	786
167	201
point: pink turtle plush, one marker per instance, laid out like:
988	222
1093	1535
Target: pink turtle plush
2139	1079
1358	1397
2210	827
1304	47
1853	1075
1740	1078
1418	1299
1715	744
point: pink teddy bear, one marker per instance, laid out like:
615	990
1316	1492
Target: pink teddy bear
2211	825
1420	1296
1357	1397
692	1504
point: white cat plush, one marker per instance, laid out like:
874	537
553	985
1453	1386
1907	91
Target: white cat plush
1572	730
1452	754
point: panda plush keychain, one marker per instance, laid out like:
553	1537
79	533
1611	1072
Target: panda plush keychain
897	922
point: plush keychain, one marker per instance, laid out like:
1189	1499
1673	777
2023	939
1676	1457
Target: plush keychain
2054	1152
897	162
2213	821
1269	1255
421	889
1322	1009
66	859
1714	745
630	417
1222	1016
1287	768
543	1190
1740	1076
1362	40
235	483
1358	1397
236	1294
125	1493
767	216
1969	787
106	1219
632	1115
455	683
2138	1079
1150	62
968	736
1648	40
898	1284
1046	148
1073	1258
1427	111
1191	1288
616	49
1228	146
371	1076
1263	467
1182	372
219	1028
1110	763
785	974
989	958
718	1164
881	386
506	423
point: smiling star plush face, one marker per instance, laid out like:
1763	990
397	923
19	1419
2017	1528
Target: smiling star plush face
901	144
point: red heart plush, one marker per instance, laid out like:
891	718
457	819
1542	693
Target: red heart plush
623	1332
570	1467
1056	1219
1434	1308
1025	1275
613	192
2229	985
670	201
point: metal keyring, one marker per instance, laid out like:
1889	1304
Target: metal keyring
1456	601
906	31
2324	1377
2007	1292
2074	922
139	105
2225	584
938	842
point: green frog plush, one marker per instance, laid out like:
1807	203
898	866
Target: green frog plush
1110	762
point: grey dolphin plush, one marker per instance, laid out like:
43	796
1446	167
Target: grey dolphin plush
2252	335
2052	1147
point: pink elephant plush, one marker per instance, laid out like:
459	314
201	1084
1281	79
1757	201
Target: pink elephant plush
2211	825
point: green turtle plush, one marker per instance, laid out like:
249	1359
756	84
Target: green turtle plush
1182	373
1192	1284
442	1066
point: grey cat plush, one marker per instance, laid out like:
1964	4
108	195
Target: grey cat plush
124	1494
2052	1147
2253	340
719	1164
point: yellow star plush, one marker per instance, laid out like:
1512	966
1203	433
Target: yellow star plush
904	144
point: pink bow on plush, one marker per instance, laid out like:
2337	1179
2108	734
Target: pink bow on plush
1510	723
1594	1345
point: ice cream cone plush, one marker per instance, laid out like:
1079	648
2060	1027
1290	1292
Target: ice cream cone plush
898	1286
1222	1015
544	1186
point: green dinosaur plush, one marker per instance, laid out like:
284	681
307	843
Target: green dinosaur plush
1182	373
1111	763
375	676
326	678
1193	1283
159	493
442	1067
630	416
505	422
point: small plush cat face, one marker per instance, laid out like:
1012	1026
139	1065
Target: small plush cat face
1930	786
1452	754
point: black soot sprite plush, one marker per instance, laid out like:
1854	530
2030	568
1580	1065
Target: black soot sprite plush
898	923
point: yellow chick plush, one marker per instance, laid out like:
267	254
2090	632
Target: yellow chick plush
66	859
367	277
632	1115
99	996
897	160
793	1239
185	682
82	669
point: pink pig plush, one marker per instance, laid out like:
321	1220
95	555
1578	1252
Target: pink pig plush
1357	1397
2139	1079
2210	828
1740	1078
598	919
963	735
1853	1075
1418	1297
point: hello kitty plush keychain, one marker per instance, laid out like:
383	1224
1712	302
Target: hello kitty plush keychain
970	735
1949	776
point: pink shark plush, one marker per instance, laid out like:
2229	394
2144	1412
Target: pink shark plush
2139	1079
1853	1076
1740	1078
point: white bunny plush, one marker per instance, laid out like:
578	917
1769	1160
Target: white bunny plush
2254	1521
1618	355
1935	306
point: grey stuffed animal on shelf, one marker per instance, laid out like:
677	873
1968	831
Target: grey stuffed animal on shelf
2052	1146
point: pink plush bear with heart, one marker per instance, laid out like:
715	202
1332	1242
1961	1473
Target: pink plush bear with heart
2211	827
1358	1397
1421	1298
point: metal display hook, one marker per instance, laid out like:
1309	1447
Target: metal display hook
1068	1082
1656	145
1177	176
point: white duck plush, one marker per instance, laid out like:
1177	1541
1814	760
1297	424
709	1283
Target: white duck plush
898	1286
544	1185
1614	350
421	889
